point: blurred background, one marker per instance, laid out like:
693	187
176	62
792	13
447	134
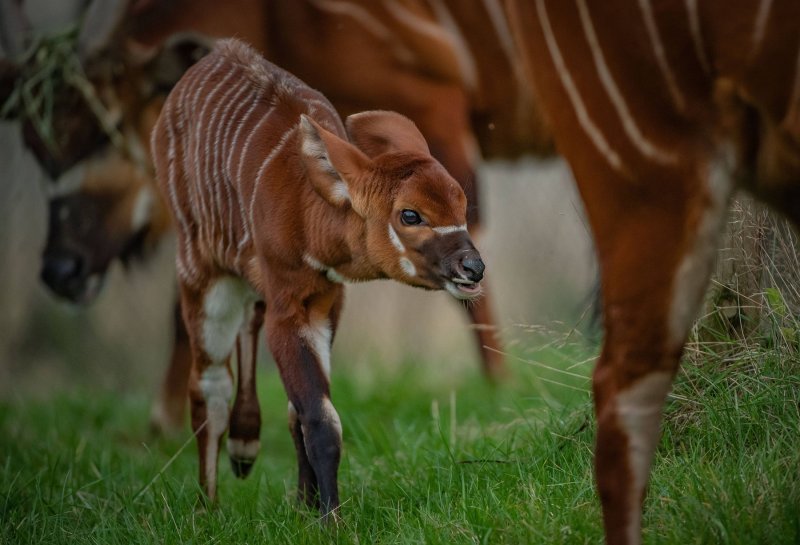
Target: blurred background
81	82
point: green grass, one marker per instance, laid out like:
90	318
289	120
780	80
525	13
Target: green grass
425	461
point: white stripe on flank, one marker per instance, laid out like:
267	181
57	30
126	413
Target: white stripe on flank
202	163
697	34
585	121
213	151
764	8
661	55
452	34
183	225
180	124
396	240
221	121
245	224
635	135
236	181
224	167
262	170
197	182
446	230
502	31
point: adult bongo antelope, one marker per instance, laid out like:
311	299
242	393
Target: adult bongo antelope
272	204
662	109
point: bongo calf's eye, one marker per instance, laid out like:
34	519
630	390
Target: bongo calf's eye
410	217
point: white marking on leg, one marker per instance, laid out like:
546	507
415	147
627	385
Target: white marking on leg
393	236
691	276
647	148
661	55
447	229
291	413
223	308
217	388
760	27
585	121
639	410
408	267
142	210
330	416
240	449
318	336
697	35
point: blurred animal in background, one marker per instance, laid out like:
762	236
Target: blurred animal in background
87	100
275	202
662	109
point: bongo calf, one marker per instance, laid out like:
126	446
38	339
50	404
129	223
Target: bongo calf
274	205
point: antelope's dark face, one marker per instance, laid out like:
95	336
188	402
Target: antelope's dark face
109	218
423	229
110	215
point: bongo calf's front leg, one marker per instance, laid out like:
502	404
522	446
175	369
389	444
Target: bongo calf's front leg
301	347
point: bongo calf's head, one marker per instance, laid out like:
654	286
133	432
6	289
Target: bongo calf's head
413	210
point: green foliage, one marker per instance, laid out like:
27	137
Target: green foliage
425	461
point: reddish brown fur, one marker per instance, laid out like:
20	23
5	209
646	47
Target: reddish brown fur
648	215
266	191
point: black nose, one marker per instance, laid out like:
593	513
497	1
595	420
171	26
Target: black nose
59	269
473	268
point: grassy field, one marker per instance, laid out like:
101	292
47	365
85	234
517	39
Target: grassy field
426	460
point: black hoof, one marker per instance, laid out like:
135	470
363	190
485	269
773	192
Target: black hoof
242	466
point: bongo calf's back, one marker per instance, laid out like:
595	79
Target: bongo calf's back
276	206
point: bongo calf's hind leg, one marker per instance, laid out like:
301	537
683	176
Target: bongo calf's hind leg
213	317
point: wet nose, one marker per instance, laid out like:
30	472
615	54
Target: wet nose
58	269
473	267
